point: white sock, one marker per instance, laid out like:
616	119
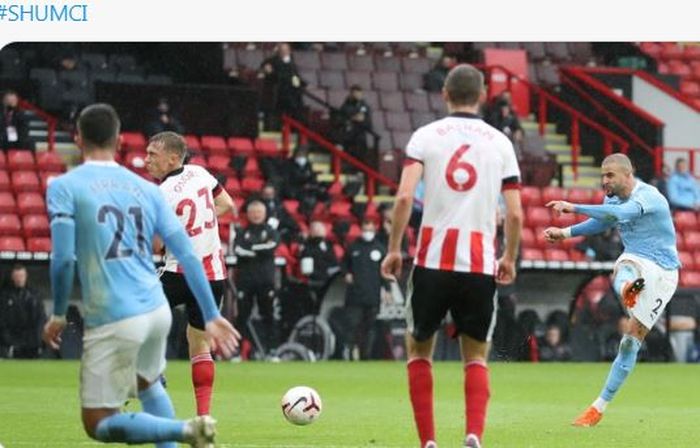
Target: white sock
600	404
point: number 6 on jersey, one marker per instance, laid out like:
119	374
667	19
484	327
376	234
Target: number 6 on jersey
460	175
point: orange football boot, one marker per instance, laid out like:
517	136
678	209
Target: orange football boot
631	291
590	417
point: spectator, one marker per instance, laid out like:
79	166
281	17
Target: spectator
365	289
22	317
434	80
553	348
255	248
163	120
606	246
282	87
15	131
357	122
683	191
300	182
318	263
502	116
277	216
683	313
661	181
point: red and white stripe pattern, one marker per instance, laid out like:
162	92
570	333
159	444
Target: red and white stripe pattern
466	166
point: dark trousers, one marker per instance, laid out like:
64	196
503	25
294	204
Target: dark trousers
361	329
268	307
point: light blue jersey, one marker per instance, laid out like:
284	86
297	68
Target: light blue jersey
116	213
644	221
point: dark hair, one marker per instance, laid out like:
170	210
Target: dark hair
171	142
99	126
18	267
355	88
464	85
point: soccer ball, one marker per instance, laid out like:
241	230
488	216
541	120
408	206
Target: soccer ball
301	405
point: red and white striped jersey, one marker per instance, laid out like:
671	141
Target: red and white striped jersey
466	165
190	191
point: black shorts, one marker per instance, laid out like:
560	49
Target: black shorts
178	293
470	298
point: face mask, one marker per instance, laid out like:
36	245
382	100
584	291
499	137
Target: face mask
301	161
286	59
368	235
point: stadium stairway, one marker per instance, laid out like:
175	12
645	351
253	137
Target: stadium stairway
556	144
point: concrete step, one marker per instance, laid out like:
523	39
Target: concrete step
591	171
378	199
582	160
321	167
581	182
330	178
533	125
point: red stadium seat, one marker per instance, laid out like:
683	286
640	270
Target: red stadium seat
220	164
598	196
696	261
538	217
20	159
687	259
198	160
531	196
651	48
251	168
577	255
570	243
232	186
267	147
331	79
540	242
133	141
50	161
556	255
5	184
193	143
25	181
564	219
416	65
3	160
35	225
46	178
252	185
416	101
340	210
335	191
372	211
671	50
579	195
385	81
690	279
339	251
398	121
527	237
30	203
320	213
12	244
553	194
10	225
39	244
680	241
334	61
240	146
387	64
214	144
532	254
692	241
7	202
685	220
360	78
363	62
690	88
353	233
392	101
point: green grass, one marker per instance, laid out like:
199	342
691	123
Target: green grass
366	405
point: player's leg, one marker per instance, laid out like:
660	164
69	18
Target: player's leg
108	378
652	300
202	363
425	309
628	281
473	306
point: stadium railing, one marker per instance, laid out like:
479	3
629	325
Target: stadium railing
51	121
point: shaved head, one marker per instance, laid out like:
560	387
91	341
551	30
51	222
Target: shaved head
621	161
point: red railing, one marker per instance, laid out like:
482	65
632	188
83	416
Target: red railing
578	73
691	154
51	121
371	176
547	101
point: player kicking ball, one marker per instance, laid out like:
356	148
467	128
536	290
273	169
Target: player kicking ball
645	275
197	199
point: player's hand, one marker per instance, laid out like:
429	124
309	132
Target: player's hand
560	207
223	337
52	331
506	271
391	266
554	234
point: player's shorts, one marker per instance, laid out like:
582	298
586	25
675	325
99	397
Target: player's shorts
470	298
178	293
659	286
115	354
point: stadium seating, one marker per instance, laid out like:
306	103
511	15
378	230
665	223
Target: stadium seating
7	202
12	243
25	181
133	141
10	225
20	160
30	203
35	225
50	161
39	244
240	146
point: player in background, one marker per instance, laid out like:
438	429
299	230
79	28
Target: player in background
103	218
645	275
466	165
197	199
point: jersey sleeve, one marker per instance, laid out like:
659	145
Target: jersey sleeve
167	222
59	200
647	200
416	147
511	171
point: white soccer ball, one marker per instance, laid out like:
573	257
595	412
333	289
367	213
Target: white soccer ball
301	405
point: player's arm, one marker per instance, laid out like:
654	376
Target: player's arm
611	213
403	204
223	202
62	264
512	223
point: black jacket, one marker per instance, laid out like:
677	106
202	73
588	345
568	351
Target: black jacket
325	262
22	318
18	119
363	260
255	251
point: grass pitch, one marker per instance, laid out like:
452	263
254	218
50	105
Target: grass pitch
366	405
